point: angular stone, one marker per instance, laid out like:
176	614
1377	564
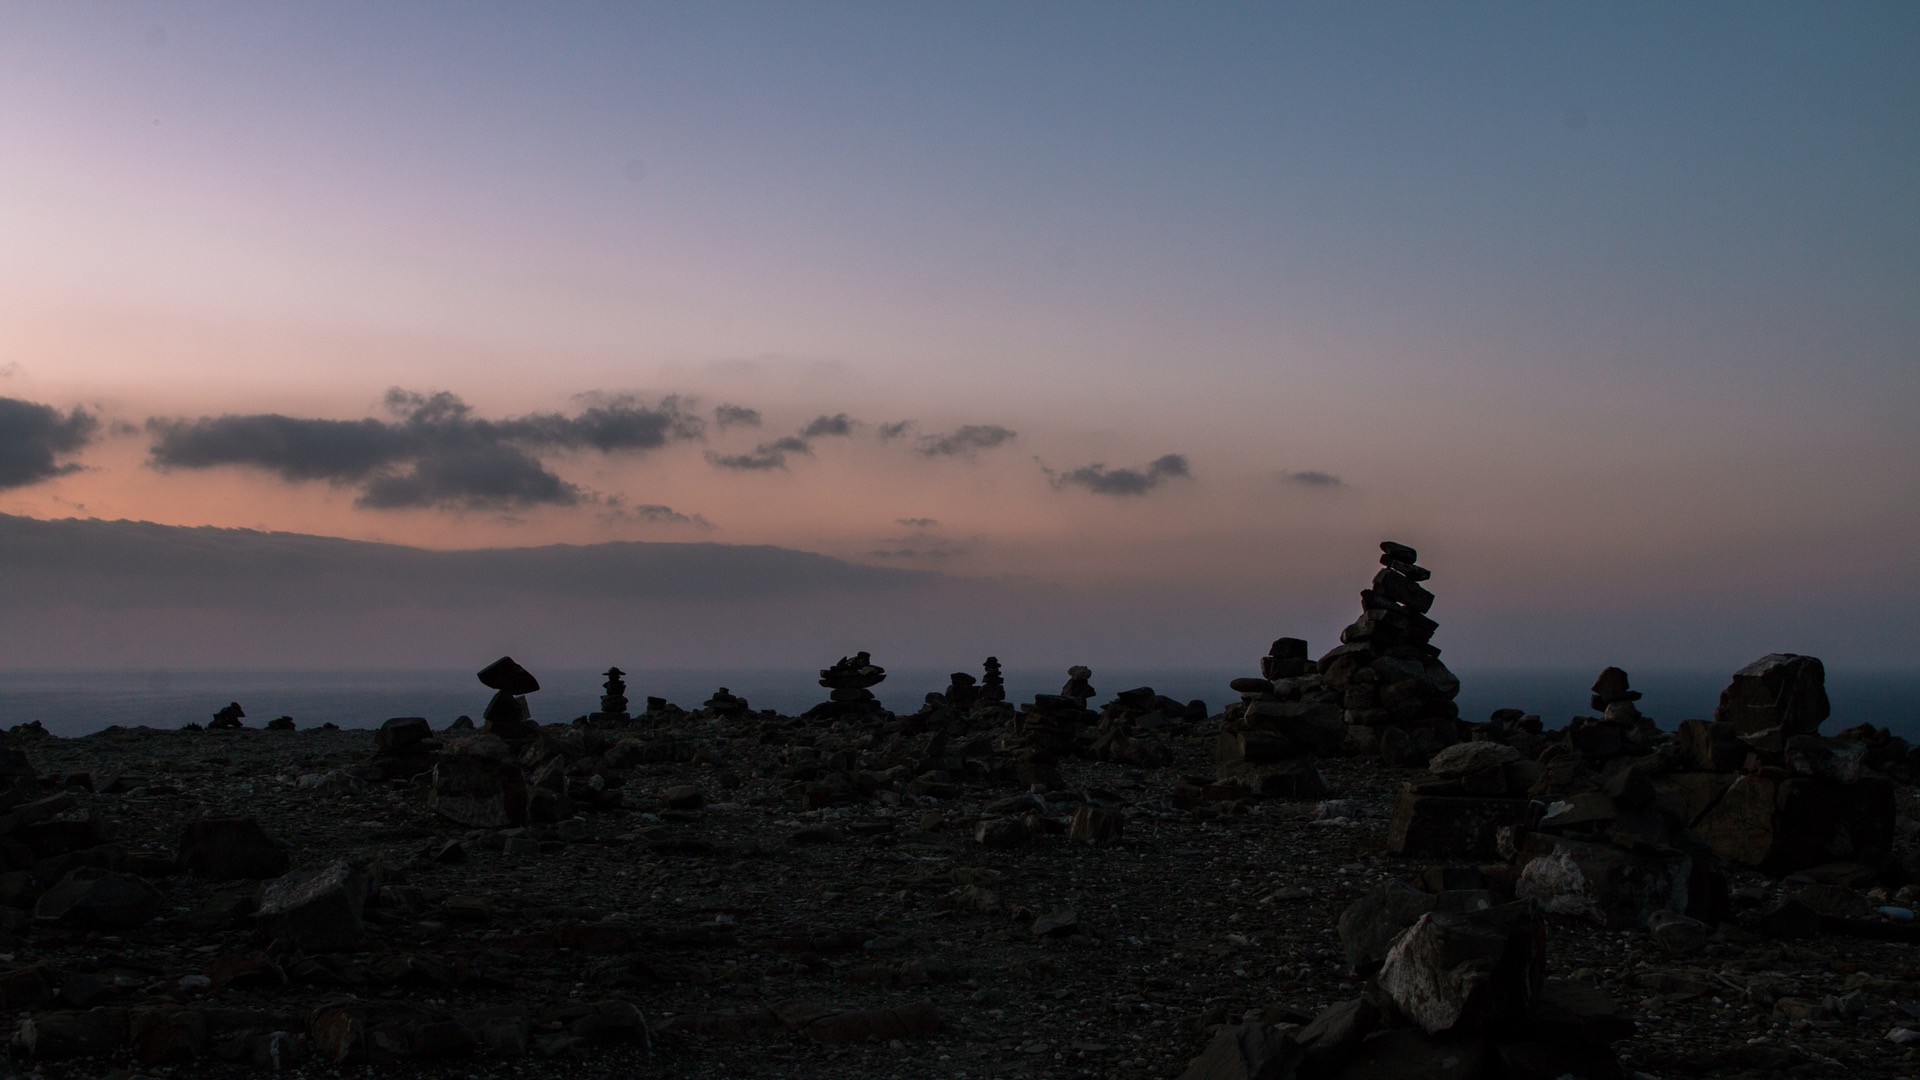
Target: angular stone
508	677
228	849
1611	886
1451	827
1333	1034
1678	934
1462	759
1399	589
1781	690
1246	1052
1369	926
1397	552
53	1036
90	896
1093	825
315	909
1467	969
478	793
1782	825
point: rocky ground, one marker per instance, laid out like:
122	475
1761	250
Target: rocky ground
767	924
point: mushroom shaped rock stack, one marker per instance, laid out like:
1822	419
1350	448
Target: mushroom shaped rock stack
993	687
849	684
1389	674
507	714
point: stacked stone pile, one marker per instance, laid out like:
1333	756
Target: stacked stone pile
993	687
724	704
403	747
1269	737
849	684
613	699
228	718
1395	692
1135	726
1458	988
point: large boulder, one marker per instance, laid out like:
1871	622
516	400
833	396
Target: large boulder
479	793
1467	969
91	896
1782	824
315	909
1249	1051
1782	693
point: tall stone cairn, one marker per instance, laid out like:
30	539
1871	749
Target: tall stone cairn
1393	685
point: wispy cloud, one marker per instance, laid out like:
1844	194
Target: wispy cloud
727	416
964	440
922	543
837	424
35	437
766	456
897	429
615	509
1101	480
1313	478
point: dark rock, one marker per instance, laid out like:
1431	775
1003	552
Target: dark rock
1466	969
508	677
1331	1037
228	718
1611	688
1246	1052
54	1036
1782	692
91	896
1369	926
1092	825
1397	552
226	849
1451	827
1612	886
1678	934
315	909
401	733
479	793
1782	824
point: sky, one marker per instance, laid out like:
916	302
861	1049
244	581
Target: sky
1156	316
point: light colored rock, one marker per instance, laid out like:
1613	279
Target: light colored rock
1463	759
315	909
1466	968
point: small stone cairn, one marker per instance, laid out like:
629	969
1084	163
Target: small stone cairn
993	688
507	714
849	684
228	718
724	704
1268	738
613	699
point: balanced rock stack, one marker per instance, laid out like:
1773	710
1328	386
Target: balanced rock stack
507	714
1395	691
1134	724
1051	723
993	687
613	699
1268	738
228	717
850	683
724	703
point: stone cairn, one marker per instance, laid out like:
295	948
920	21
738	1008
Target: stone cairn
849	684
507	714
1397	695
228	717
1268	738
993	688
613	699
724	704
1050	723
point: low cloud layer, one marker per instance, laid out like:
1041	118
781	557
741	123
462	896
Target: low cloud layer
434	452
34	439
1101	480
765	457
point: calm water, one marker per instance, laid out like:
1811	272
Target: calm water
75	703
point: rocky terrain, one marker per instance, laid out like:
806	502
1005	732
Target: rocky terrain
1336	876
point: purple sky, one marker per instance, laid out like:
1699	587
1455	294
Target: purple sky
1157	316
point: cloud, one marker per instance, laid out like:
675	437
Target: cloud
768	455
34	437
434	452
1313	478
963	440
895	430
837	424
616	509
727	416
1101	480
917	523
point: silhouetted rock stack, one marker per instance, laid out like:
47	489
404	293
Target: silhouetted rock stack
613	699
723	703
849	682
1396	692
1134	726
1079	687
228	717
507	714
992	687
1268	738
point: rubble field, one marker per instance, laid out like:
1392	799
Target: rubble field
1334	877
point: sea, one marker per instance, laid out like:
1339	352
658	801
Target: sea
73	703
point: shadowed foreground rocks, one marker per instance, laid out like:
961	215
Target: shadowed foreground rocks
1334	876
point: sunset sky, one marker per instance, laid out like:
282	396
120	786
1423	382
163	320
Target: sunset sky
1170	312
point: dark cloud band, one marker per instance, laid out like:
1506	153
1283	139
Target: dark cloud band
1101	480
34	438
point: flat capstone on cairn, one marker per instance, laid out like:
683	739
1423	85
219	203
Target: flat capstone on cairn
507	715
